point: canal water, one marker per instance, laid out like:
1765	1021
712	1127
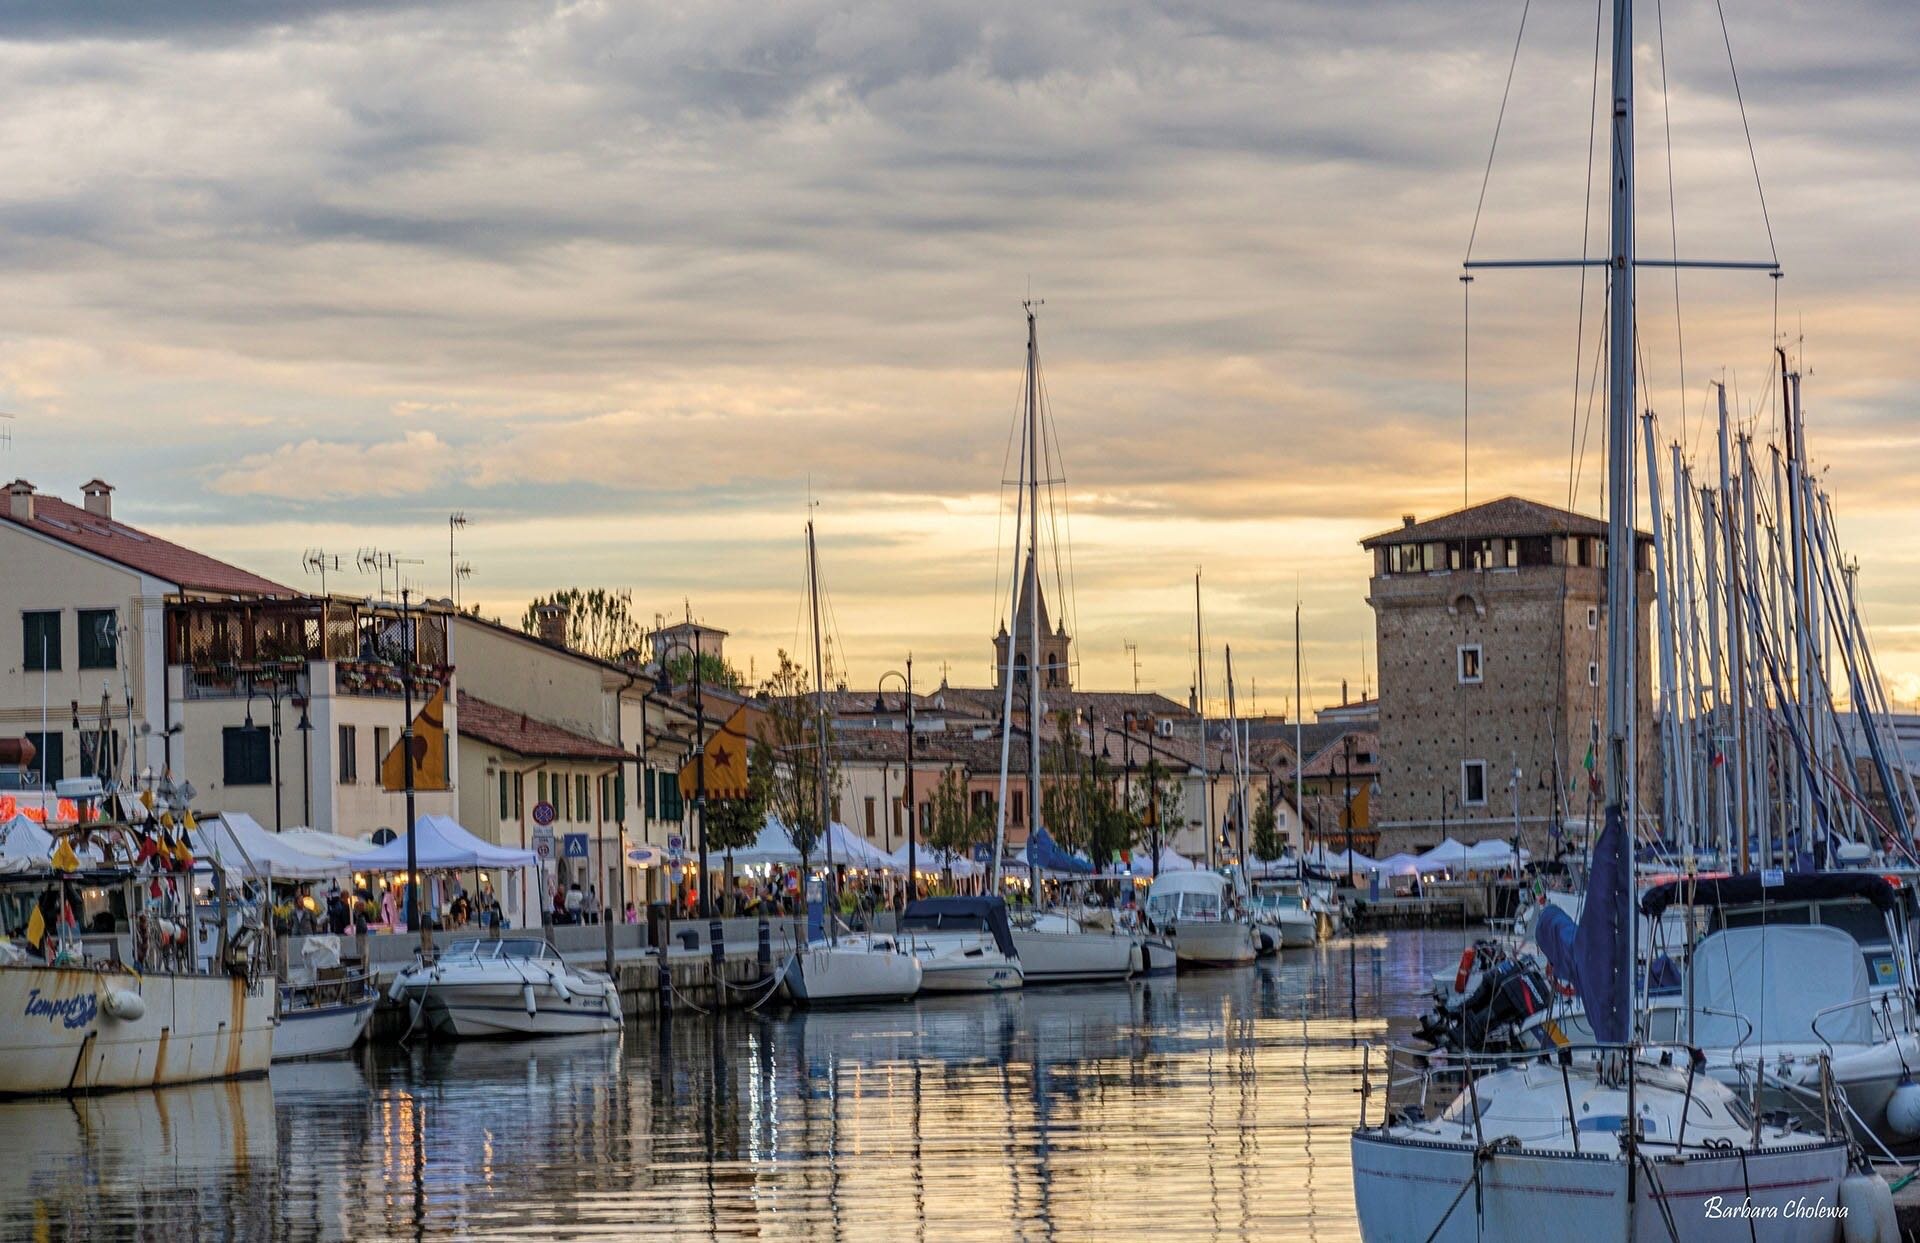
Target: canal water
1213	1105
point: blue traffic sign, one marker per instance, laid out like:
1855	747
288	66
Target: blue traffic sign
576	845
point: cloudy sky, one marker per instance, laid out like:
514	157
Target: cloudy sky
629	282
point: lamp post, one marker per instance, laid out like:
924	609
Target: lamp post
700	750
407	654
1346	748
913	808
276	690
305	729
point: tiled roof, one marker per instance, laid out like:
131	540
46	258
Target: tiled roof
137	550
1510	516
521	734
1332	758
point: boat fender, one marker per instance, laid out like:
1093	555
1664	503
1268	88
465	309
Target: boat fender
1868	1203
559	981
397	989
1903	1109
526	999
1465	972
1136	959
124	1004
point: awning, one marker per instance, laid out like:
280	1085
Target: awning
441	844
240	843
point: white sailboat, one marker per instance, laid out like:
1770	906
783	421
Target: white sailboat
1639	1143
837	969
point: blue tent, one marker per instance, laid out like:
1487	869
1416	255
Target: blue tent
1045	853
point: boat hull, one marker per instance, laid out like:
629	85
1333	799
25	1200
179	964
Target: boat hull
487	1010
319	1031
1200	944
1157	956
1411	1192
66	1030
1073	957
827	974
979	972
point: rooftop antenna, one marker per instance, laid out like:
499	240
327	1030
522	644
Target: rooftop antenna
456	569
1133	654
6	432
373	560
320	561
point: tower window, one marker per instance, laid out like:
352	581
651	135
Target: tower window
1593	617
1469	663
1593	673
1473	783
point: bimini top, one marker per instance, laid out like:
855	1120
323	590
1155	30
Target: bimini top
961	915
1211	883
1746	890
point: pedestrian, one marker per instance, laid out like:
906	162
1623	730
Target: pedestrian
576	903
592	905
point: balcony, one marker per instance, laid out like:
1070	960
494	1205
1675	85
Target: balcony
230	649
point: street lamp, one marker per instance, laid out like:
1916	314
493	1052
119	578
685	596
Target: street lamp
700	748
276	690
1346	747
305	729
913	808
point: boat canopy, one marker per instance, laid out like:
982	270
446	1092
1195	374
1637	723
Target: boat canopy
1766	985
961	915
440	844
1211	883
1747	890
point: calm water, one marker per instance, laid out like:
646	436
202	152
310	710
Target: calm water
1213	1105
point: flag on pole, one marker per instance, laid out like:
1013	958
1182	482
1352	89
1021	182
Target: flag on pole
64	859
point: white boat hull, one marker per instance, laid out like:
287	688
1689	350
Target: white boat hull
1219	944
1073	957
824	974
1404	1190
63	1030
976	971
478	1011
1157	956
1297	930
321	1030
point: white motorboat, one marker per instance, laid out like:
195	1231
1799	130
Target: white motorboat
1055	948
1191	910
964	945
321	1017
853	969
1285	909
515	986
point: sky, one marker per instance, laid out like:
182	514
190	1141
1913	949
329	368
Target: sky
638	287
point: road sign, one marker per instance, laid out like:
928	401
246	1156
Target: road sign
674	845
543	813
1772	878
543	849
576	845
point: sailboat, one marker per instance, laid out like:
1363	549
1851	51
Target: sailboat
1638	1142
835	968
1052	946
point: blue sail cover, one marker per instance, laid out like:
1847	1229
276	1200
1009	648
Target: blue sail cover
1045	853
1592	957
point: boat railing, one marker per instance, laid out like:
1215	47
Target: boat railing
1881	1019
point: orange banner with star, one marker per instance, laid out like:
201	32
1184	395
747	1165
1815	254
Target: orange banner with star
726	762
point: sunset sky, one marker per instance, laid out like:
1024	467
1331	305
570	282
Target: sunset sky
627	283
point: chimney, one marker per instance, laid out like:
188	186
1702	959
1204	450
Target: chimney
1343	692
99	494
552	620
20	500
1406	520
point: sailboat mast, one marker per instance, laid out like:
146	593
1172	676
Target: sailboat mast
1200	690
1299	760
820	727
1034	705
1239	795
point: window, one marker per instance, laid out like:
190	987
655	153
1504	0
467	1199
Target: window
519	795
869	815
1473	783
582	797
1469	656
1593	673
99	638
380	745
1593	617
1018	814
540	790
899	820
245	753
620	795
1536	550
40	640
506	796
49	756
649	793
349	755
672	806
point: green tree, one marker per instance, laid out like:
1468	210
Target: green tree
600	623
801	760
713	670
1267	842
1156	806
956	826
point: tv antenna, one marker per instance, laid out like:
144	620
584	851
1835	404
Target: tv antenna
1133	655
319	561
6	430
456	568
376	562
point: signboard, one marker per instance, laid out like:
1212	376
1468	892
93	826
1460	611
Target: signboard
543	844
674	846
1772	878
576	845
982	855
643	856
543	813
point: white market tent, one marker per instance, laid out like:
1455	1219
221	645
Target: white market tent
1408	865
1171	860
1334	862
24	845
775	846
242	845
1449	853
1494	852
929	861
441	844
326	845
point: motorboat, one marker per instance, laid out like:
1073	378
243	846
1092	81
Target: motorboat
1191	909
853	968
1056	948
1285	909
965	945
321	1017
514	986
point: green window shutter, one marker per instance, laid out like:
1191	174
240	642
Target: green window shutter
650	793
506	796
620	795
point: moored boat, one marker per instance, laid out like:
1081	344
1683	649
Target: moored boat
855	969
1191	910
516	986
964	945
1056	948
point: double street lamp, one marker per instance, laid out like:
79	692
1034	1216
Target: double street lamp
665	684
913	807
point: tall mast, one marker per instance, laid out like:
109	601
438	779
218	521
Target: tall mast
1034	705
1299	760
820	727
1239	797
1622	607
1200	690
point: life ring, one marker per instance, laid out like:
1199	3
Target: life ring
1465	972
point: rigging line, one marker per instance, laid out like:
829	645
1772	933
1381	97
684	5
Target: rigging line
1069	604
1752	156
1586	243
1673	211
1000	512
1056	474
1499	120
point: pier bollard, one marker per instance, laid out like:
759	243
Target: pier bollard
716	939
766	947
663	1005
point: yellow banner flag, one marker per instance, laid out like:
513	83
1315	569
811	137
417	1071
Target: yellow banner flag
726	762
36	927
429	750
64	859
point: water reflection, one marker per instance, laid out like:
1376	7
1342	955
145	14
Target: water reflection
1207	1106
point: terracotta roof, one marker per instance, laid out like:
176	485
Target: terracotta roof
521	734
137	550
1509	516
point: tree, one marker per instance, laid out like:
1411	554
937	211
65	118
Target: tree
1156	807
1267	842
956	826
800	764
600	623
713	670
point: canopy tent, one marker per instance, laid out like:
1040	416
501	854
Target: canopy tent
441	844
24	845
325	845
1408	865
1171	860
1336	862
853	852
1449	853
1494	852
774	845
239	842
1043	852
928	861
